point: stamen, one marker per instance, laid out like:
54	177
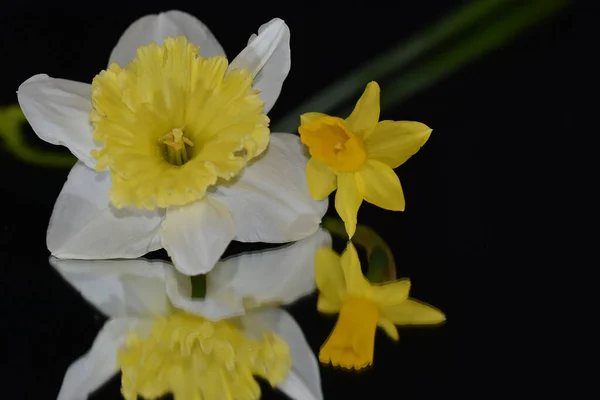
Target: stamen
175	142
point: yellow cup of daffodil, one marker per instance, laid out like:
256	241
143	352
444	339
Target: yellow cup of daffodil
362	306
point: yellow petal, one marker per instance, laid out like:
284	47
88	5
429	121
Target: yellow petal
307	118
389	294
329	275
413	312
356	283
394	142
328	306
389	328
348	198
321	180
382	186
365	116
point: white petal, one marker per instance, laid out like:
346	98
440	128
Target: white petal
214	306
156	28
118	288
270	201
268	56
304	379
197	234
280	275
58	111
98	365
84	225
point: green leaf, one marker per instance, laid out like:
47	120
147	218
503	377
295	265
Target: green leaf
490	36
379	262
381	259
198	286
500	29
12	139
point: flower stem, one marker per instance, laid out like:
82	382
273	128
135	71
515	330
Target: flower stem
501	20
397	57
382	267
12	139
198	286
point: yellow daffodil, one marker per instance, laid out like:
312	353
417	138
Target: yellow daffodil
164	341
357	155
174	147
362	307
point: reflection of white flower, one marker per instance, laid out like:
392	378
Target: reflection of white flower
175	126
141	296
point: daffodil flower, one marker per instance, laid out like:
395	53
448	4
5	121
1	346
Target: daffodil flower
156	332
357	156
174	147
362	307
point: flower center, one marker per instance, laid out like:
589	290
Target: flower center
175	152
172	123
194	358
352	341
330	142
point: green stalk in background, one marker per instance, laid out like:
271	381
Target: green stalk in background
499	29
12	139
490	37
382	267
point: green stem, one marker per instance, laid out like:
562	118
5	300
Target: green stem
490	37
12	120
395	58
382	267
198	286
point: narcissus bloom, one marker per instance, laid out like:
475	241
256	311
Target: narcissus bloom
362	307
357	156
164	341
174	147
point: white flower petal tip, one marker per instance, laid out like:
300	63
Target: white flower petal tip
215	306
157	27
275	276
192	245
84	225
251	280
99	364
268	56
270	201
58	111
304	379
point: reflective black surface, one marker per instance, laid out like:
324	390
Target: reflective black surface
457	187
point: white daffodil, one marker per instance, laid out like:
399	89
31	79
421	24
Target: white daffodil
174	148
156	332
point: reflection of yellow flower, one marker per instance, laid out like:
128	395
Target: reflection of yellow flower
357	156
173	122
195	358
362	306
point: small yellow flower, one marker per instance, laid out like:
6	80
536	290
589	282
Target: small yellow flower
195	358
357	156
362	307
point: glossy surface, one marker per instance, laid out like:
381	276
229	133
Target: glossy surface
441	241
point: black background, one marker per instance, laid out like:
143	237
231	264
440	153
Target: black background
463	189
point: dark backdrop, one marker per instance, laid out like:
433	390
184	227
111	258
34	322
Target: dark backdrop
463	189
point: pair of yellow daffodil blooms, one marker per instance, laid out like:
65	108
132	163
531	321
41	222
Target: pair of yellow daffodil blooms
356	156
